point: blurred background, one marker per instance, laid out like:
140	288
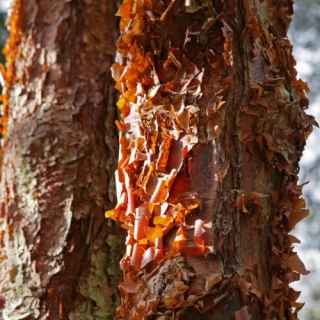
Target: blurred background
304	33
3	33
305	36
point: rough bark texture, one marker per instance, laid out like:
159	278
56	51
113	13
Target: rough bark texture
213	129
59	256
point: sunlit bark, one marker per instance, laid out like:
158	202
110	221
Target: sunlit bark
213	129
59	255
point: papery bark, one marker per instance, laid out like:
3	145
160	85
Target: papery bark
59	256
213	129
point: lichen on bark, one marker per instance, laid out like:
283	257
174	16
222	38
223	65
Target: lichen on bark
58	158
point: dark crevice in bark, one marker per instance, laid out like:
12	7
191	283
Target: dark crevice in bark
58	165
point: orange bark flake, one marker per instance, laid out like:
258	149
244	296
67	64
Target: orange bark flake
212	129
8	73
165	100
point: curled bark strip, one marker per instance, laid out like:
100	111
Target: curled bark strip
168	70
213	122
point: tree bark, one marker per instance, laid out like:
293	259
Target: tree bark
213	130
59	256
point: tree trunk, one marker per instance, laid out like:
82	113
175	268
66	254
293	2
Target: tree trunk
59	255
213	129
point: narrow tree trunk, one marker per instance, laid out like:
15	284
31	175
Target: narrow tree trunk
213	129
59	256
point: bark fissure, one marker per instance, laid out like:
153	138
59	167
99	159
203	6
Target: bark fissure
59	254
247	81
213	127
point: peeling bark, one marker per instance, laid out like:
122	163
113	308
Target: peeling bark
59	256
213	129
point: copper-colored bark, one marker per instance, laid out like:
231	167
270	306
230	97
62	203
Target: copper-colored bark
59	256
213	129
